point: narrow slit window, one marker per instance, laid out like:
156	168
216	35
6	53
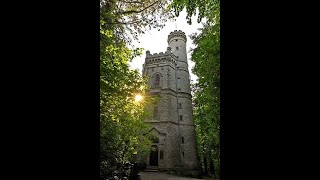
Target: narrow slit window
180	106
181	118
161	154
182	154
182	140
155	113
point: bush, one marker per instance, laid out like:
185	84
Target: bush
142	166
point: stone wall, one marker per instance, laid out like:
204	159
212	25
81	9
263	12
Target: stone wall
175	101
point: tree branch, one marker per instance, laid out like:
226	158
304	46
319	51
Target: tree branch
132	2
134	11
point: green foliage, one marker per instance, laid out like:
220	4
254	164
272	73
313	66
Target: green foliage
131	18
206	92
121	118
208	9
122	131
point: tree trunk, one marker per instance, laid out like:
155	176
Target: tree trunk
212	171
205	165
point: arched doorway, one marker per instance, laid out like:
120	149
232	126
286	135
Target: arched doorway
154	156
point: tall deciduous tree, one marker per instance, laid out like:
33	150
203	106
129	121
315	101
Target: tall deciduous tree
121	118
122	131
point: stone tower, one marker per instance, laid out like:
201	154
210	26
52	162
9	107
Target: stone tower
172	124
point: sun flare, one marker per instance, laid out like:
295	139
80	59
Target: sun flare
138	98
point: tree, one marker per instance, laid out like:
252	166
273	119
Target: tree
122	131
121	118
131	18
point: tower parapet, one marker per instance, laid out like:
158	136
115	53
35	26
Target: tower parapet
166	56
176	33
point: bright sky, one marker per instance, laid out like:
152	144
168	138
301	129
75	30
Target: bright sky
156	41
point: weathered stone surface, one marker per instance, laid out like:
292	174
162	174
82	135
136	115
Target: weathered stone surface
175	106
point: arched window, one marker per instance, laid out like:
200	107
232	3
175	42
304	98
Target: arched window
156	81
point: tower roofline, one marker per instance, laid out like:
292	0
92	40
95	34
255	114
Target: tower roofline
161	54
176	33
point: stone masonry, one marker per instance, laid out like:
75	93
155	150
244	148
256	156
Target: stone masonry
172	120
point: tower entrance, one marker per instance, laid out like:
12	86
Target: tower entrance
154	156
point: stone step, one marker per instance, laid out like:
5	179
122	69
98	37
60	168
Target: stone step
151	169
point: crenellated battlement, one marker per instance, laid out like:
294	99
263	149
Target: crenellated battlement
154	55
166	56
176	33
